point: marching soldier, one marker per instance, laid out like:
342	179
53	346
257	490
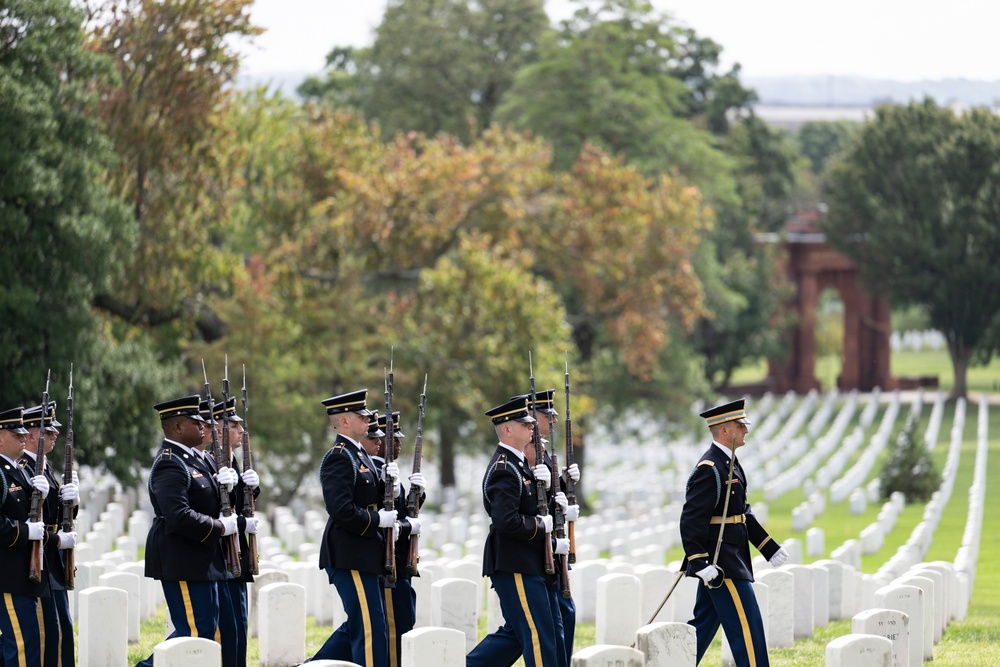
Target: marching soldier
514	555
183	548
353	545
400	599
725	595
20	630
57	619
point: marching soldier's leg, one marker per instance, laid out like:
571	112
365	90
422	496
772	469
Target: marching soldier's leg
51	640
706	620
361	593
67	649
194	608
741	620
567	608
524	600
22	639
497	649
228	630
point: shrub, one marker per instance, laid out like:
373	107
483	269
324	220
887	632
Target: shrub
910	468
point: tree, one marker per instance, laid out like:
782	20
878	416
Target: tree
910	468
914	201
822	139
436	65
65	240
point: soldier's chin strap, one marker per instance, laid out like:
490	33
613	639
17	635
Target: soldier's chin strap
725	512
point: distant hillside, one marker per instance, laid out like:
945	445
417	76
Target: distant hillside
286	82
857	91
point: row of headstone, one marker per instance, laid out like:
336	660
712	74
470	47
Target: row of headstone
915	340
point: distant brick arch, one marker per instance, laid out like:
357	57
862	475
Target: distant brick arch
812	266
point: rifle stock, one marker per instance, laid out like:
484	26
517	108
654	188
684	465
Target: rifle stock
543	501
253	562
413	495
66	507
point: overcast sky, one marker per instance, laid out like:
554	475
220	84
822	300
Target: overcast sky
879	39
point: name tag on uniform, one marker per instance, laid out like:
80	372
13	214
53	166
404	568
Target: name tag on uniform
195	473
363	468
527	482
14	487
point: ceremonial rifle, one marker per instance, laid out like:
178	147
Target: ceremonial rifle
35	510
252	562
413	495
570	484
230	543
388	502
543	501
559	517
67	509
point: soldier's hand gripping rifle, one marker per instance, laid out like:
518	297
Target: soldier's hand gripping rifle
388	501
35	509
252	559
67	510
230	543
413	495
543	499
570	484
559	517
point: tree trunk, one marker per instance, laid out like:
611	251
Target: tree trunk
447	435
960	366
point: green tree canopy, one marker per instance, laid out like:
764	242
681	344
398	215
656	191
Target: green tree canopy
915	202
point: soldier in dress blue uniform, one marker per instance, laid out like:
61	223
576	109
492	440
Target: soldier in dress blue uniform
514	555
400	599
184	545
353	546
57	620
233	610
725	595
19	625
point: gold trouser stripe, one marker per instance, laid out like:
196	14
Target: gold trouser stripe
41	629
535	645
747	639
22	659
390	617
218	635
188	607
365	617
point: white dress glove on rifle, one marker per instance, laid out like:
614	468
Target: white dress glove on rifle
414	525
41	484
574	472
390	473
251	479
417	480
227	477
67	540
542	475
547	522
76	478
386	518
252	522
779	558
229	524
561	501
572	512
36	530
69	493
708	574
562	546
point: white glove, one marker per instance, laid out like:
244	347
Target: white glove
76	478
708	574
561	501
41	484
67	540
574	472
386	518
70	493
251	479
562	546
229	523
396	527
779	558
417	480
414	525
572	512
227	477
390	470
36	530
547	522
252	522
542	474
